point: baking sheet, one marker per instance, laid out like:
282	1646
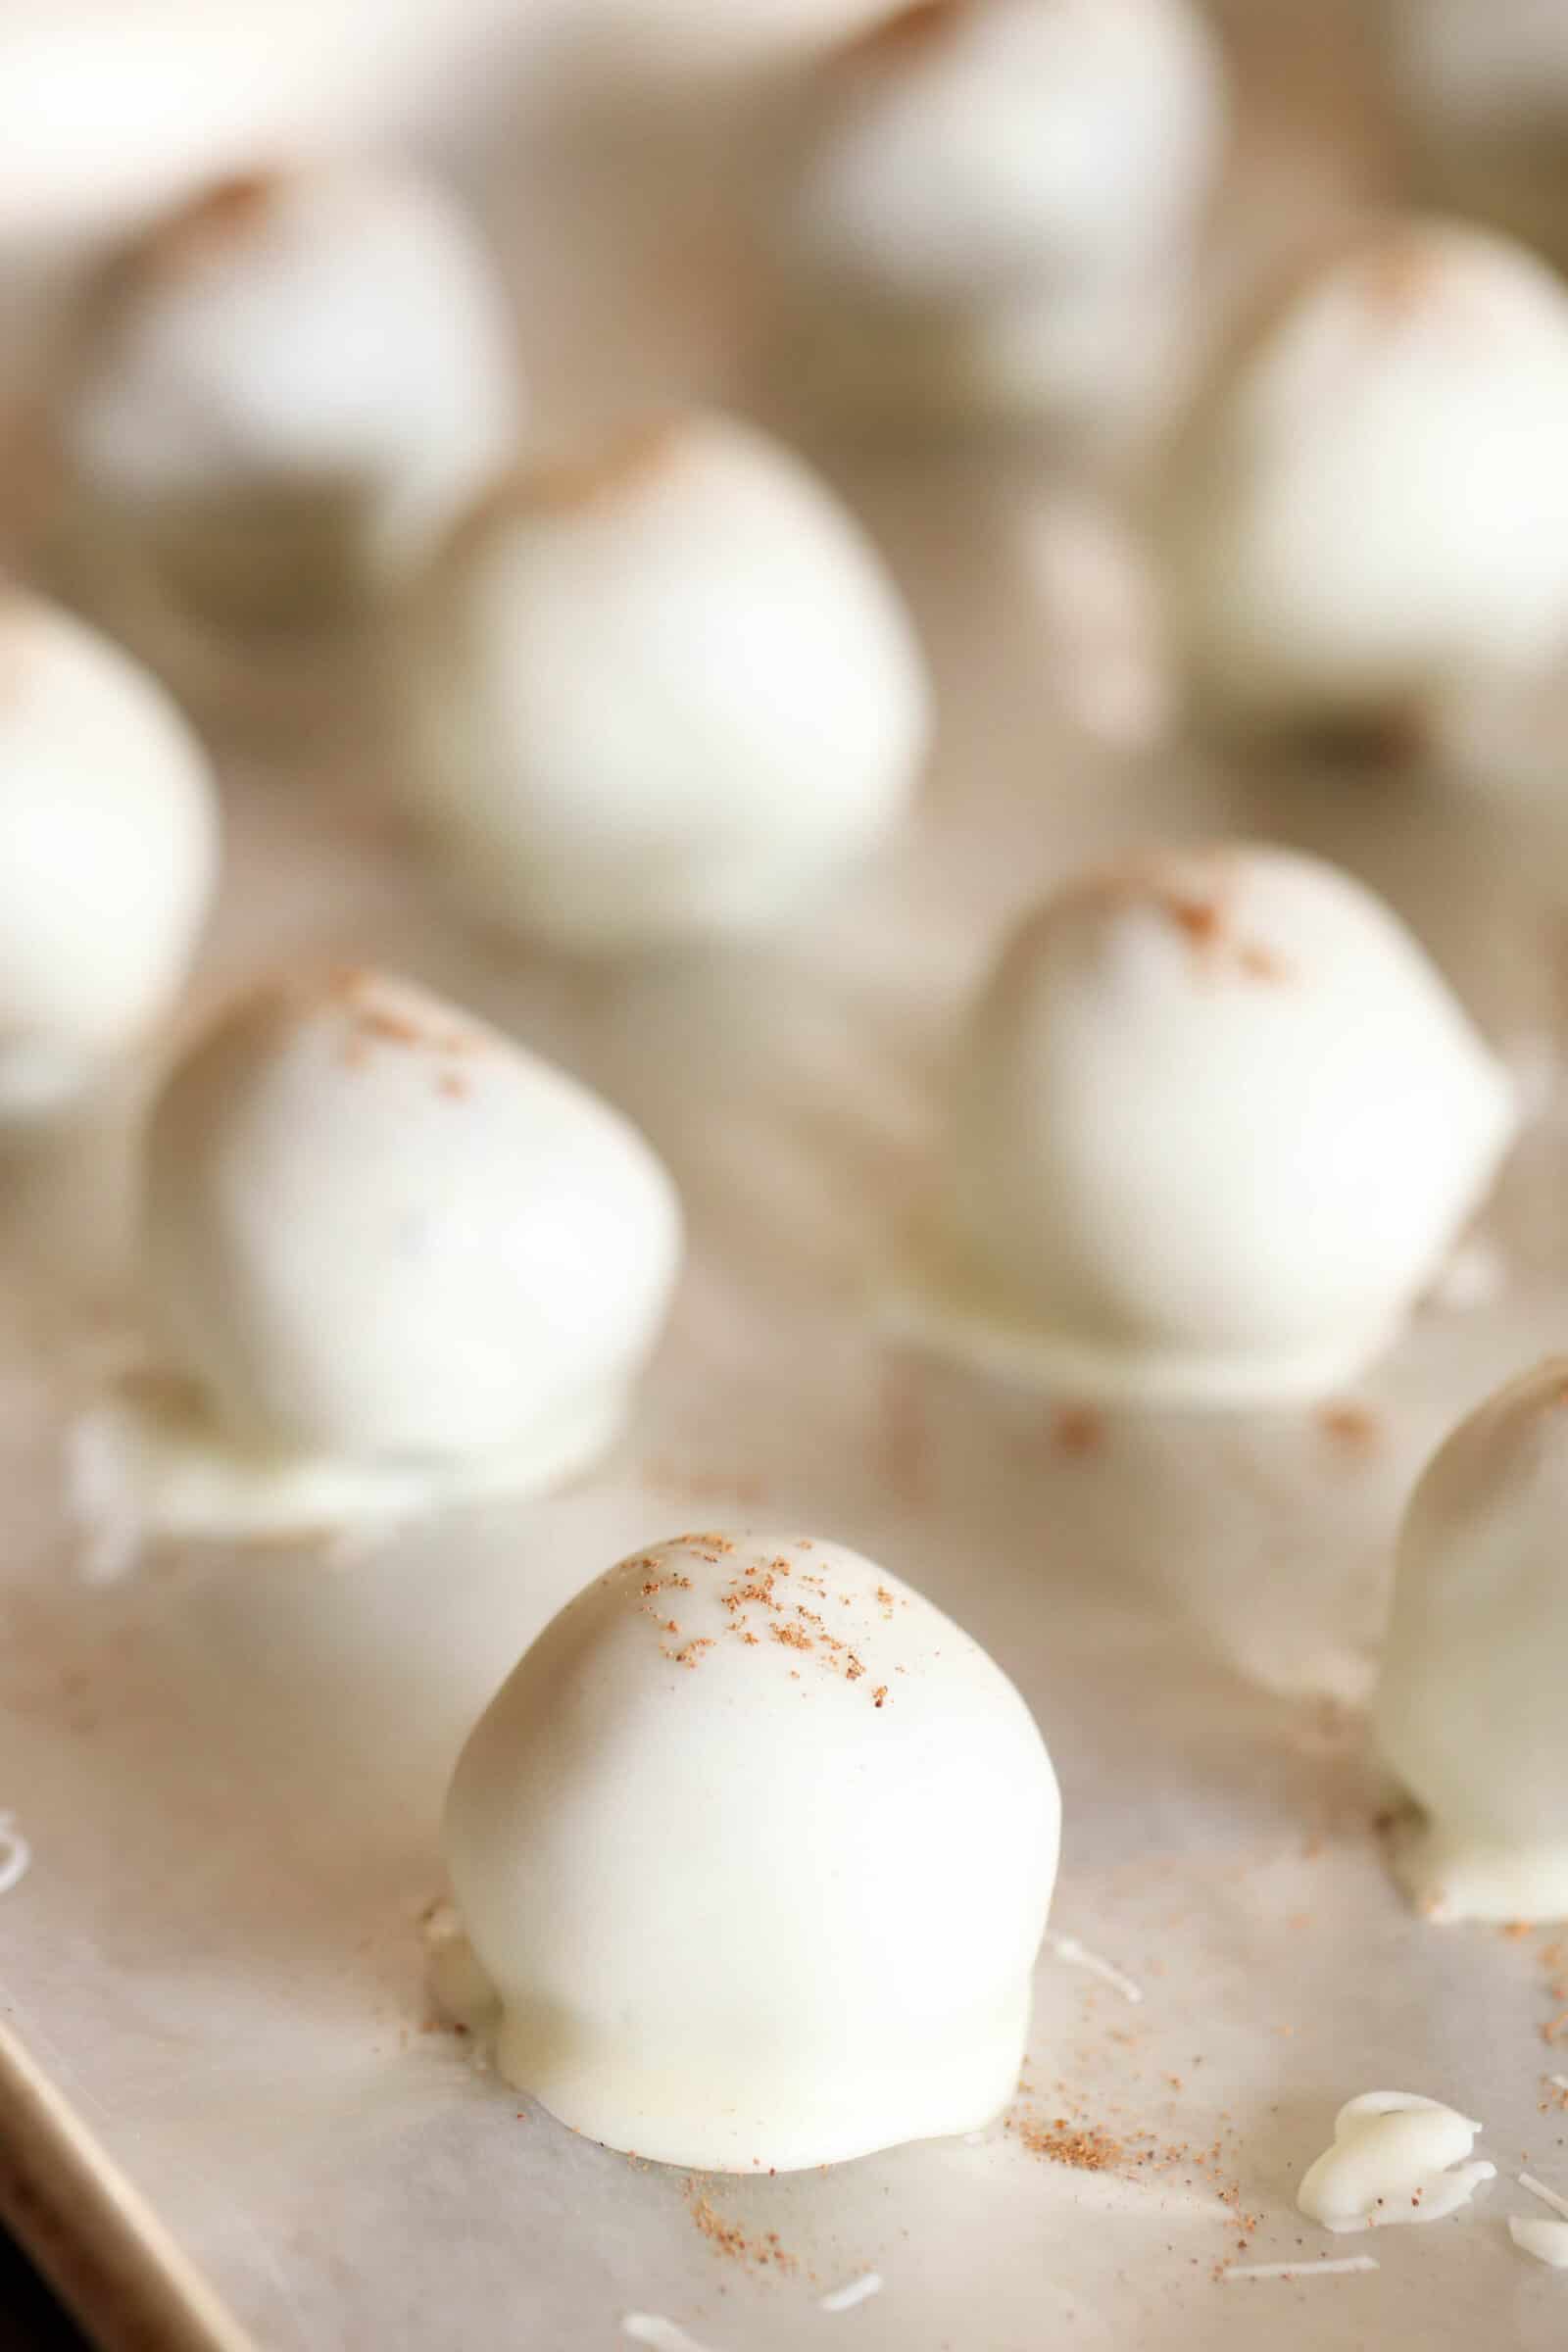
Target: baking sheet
227	1770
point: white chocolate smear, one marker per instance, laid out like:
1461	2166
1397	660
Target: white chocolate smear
1078	1955
859	2290
1302	2270
1396	2157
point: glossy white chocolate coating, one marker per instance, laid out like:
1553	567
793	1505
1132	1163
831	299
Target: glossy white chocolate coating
388	1252
1213	1124
108	854
1396	2158
1469	1710
754	1849
672	692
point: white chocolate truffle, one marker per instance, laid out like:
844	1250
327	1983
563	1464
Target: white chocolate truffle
989	196
1481	95
1469	1709
1396	2158
288	388
392	1256
108	851
1368	517
672	692
1216	1121
756	1848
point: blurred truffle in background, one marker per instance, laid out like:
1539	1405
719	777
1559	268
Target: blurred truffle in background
108	854
1366	519
277	396
668	690
990	208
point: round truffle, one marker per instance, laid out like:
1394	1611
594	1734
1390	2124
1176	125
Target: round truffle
385	1249
287	388
1469	1710
755	1848
1216	1121
670	692
1367	519
987	198
108	851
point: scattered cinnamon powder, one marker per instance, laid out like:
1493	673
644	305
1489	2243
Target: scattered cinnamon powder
1200	918
740	1595
1087	2150
756	1585
1203	916
727	2236
1077	1430
1352	1426
559	485
397	1028
223	212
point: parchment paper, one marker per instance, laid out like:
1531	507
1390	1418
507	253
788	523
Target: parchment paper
228	1769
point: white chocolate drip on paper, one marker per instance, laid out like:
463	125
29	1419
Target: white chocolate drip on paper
1395	2157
